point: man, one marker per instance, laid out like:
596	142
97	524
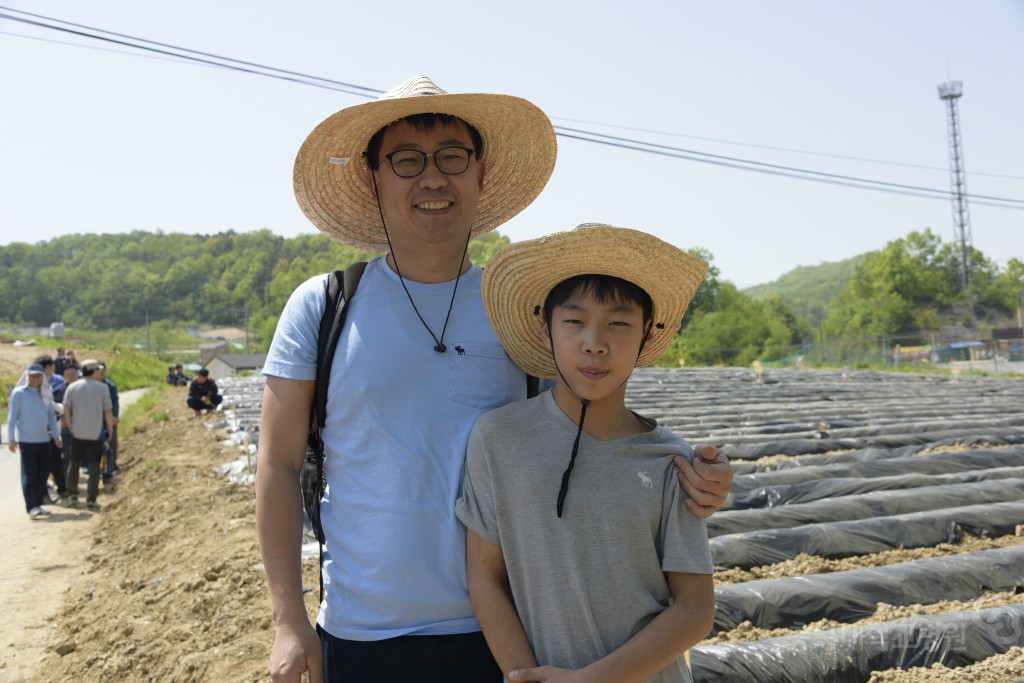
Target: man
111	436
415	174
31	419
182	377
60	361
71	375
202	393
53	385
87	408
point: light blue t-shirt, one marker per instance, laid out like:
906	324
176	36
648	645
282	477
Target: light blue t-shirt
399	416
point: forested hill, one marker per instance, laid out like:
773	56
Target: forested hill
809	289
124	280
905	291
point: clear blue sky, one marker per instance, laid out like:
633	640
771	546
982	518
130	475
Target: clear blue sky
106	140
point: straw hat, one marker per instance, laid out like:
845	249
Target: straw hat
519	278
330	176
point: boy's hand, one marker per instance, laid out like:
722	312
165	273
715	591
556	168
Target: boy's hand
542	674
707	481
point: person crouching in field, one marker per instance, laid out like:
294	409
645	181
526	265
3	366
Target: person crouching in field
202	393
582	555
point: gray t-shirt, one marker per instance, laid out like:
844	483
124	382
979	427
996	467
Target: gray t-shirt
585	583
86	399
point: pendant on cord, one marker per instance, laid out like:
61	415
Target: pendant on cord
440	348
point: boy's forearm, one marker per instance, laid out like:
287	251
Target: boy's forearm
492	603
684	624
501	626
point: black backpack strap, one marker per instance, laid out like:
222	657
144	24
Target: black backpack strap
341	286
532	386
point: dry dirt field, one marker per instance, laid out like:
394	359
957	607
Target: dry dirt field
165	584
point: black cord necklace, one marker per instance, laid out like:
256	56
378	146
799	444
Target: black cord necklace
438	342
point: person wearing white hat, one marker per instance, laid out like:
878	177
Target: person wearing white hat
571	498
415	174
31	420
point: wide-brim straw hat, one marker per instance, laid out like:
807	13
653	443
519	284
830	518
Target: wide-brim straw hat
331	180
520	276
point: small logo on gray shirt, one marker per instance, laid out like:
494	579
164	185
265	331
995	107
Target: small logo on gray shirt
645	481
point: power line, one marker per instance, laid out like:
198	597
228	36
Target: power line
207	58
93	47
775	148
779	170
187	54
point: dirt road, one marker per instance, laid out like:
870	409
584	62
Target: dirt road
41	560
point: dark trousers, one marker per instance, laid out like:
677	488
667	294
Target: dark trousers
89	452
456	658
65	451
198	404
57	469
111	452
35	467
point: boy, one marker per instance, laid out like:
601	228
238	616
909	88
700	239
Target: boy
576	520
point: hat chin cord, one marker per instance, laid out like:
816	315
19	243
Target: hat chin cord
563	489
438	342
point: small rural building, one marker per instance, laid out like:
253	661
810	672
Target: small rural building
231	364
209	350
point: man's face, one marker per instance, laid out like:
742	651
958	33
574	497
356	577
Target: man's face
35	380
432	208
101	373
70	374
200	378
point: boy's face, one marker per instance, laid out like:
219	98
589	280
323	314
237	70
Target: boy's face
595	345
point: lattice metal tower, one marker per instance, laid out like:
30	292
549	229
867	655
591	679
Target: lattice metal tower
951	91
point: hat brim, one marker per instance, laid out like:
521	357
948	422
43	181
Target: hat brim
519	153
519	278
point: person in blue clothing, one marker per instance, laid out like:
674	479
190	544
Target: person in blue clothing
414	175
31	421
71	375
53	386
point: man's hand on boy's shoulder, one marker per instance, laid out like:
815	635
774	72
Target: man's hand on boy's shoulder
707	481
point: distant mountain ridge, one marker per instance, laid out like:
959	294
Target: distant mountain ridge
809	289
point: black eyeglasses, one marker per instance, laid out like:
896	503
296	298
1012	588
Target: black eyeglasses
409	163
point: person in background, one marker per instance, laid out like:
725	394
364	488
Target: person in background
31	421
87	408
53	383
111	437
202	393
71	375
180	369
60	361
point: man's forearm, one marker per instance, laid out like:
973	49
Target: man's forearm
279	529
